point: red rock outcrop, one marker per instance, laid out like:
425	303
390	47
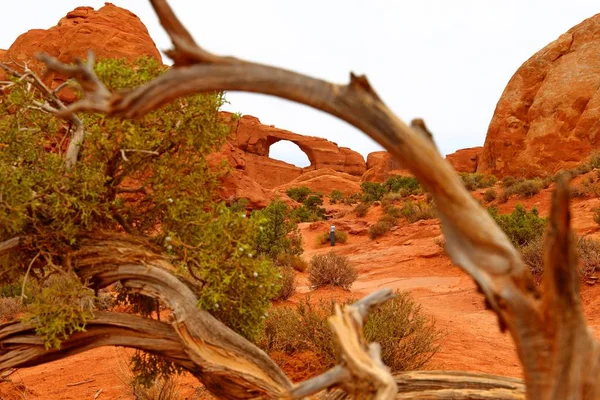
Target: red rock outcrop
111	32
548	117
380	166
325	180
255	138
465	160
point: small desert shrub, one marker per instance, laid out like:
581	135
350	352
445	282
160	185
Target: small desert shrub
379	229
391	198
504	196
533	255
331	269
388	218
10	308
406	185
594	160
578	191
527	188
408	338
490	195
547	181
417	210
508	181
596	215
588	251
291	261
352	199
372	191
288	284
361	209
335	196
340	237
164	388
299	193
393	211
476	180
521	226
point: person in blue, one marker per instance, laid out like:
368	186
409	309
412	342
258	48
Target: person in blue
332	235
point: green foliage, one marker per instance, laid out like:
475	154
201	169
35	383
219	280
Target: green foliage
353	199
372	191
476	180
331	269
336	196
417	210
393	211
524	188
148	368
278	233
521	226
299	193
62	307
405	185
239	282
391	198
291	261
408	338
340	237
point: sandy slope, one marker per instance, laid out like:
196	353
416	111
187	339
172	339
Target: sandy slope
408	258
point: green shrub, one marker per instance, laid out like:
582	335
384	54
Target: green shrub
476	180
340	237
489	195
331	269
508	181
416	210
287	284
379	229
361	209
521	226
407	185
277	232
372	191
388	218
391	198
305	214
527	188
61	308
408	338
353	199
393	211
299	193
335	196
313	204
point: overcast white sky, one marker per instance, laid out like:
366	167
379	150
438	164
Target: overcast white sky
445	61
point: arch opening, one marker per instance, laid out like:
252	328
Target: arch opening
289	152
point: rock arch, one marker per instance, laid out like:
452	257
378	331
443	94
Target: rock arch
296	148
271	140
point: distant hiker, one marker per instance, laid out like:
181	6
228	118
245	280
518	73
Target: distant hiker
332	235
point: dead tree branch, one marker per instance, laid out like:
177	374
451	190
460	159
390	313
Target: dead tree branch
560	356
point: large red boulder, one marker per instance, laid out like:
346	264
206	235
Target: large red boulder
548	117
110	32
465	160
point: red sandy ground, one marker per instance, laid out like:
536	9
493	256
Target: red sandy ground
408	258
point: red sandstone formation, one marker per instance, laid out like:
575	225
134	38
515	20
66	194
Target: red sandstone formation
111	32
465	160
381	165
325	180
548	117
255	139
